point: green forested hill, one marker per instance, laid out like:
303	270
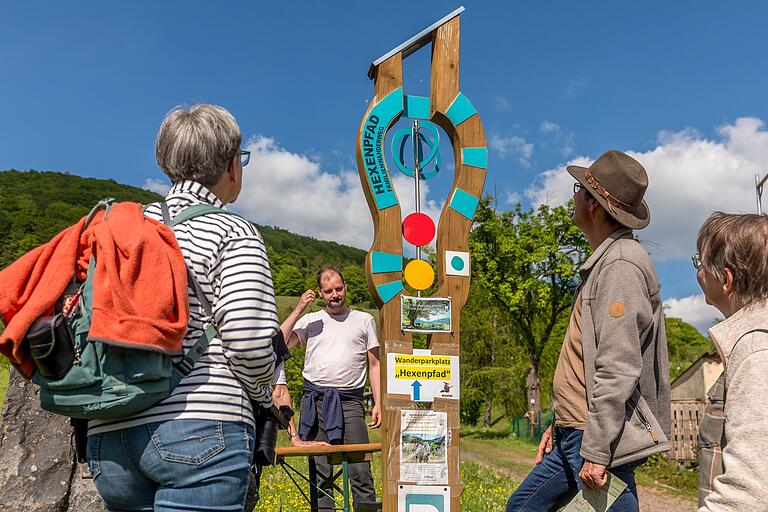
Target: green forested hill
35	205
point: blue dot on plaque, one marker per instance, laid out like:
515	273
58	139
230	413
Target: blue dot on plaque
457	263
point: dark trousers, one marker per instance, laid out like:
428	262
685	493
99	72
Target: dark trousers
355	432
553	483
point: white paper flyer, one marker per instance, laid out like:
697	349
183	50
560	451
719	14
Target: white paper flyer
424	447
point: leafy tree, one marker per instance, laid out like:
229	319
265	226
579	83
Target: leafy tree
685	345
288	280
310	282
491	363
357	287
527	261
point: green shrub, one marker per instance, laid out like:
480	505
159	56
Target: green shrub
472	402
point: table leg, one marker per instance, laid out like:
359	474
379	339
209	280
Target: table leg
313	506
345	477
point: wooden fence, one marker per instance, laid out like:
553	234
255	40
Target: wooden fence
686	415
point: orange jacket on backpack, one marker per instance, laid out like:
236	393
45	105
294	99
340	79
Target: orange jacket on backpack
139	284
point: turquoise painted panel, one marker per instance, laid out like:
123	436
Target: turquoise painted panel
464	203
399	142
476	157
460	110
372	147
389	291
434	502
416	107
386	262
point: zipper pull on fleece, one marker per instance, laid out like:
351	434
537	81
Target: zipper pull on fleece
652	432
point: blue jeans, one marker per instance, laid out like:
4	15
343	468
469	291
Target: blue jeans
174	465
554	482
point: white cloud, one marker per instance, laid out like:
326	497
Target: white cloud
156	186
500	103
562	138
693	310
292	191
548	127
576	83
514	145
512	198
690	177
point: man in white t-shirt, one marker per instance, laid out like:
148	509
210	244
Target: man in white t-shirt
341	347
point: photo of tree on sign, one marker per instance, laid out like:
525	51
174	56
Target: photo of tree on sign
425	314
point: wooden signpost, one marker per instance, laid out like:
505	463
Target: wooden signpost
420	429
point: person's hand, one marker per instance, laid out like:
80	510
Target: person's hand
593	475
375	417
305	300
297	441
545	446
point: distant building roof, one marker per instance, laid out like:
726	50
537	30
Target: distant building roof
696	380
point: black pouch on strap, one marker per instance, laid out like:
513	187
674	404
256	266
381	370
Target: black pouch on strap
268	422
52	346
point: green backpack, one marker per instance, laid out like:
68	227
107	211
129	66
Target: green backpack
108	381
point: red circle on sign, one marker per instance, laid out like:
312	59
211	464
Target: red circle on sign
418	229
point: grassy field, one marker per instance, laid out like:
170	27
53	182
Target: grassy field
485	490
3	381
498	448
285	305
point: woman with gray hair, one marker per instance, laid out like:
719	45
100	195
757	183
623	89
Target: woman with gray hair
732	270
193	450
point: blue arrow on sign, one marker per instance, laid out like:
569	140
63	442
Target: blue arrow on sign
416	390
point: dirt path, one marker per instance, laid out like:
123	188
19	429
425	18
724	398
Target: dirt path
515	465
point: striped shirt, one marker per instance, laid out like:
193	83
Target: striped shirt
227	255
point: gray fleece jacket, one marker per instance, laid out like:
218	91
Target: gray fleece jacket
742	341
626	365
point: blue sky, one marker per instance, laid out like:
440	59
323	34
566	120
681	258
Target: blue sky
680	85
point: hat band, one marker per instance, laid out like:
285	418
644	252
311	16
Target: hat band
613	202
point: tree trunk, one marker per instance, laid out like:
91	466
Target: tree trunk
533	386
492	351
488	409
37	458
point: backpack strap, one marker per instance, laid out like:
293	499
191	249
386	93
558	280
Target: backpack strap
197	210
189	213
104	204
187	363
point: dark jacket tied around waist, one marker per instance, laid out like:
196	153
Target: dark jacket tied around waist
331	408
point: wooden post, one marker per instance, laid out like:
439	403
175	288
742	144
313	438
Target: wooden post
454	113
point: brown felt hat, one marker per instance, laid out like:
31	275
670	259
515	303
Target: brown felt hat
618	182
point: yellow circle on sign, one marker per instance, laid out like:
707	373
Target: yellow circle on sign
419	274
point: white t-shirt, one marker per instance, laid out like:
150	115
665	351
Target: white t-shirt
279	376
337	347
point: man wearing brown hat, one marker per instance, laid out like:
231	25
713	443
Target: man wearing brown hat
611	385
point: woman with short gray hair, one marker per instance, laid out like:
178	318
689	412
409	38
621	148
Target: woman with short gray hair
732	270
193	450
197	143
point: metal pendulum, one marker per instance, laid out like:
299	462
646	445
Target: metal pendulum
416	164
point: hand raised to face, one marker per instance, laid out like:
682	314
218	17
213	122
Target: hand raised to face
307	298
